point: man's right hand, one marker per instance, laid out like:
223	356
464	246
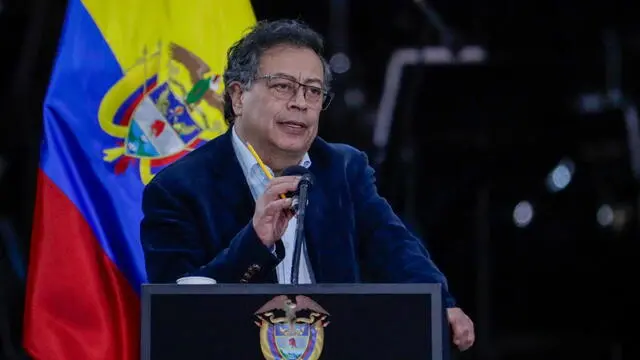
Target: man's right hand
272	213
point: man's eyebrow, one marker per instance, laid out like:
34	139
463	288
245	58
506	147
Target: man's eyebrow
306	81
313	80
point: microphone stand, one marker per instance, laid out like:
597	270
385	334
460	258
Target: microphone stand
299	239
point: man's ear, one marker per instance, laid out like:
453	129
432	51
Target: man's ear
236	91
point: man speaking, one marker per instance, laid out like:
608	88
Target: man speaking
221	211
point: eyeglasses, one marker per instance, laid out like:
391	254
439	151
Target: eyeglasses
285	88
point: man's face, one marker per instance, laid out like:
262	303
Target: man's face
275	111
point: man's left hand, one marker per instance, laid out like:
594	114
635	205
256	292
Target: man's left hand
462	327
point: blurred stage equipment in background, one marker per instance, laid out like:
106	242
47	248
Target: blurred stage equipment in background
519	166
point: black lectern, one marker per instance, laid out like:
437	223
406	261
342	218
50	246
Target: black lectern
306	322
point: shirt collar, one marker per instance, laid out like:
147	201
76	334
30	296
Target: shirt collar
246	159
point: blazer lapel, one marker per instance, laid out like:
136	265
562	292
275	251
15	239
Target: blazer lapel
313	223
232	189
231	185
320	225
327	232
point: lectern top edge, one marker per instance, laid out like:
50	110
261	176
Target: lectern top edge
364	289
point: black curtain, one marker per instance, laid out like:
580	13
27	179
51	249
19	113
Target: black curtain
29	32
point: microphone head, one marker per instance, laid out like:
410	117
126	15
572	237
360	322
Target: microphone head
307	176
297	170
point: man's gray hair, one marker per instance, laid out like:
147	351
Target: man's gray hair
243	57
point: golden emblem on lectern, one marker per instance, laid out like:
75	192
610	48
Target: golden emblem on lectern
291	328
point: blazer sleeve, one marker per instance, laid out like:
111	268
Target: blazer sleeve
174	247
393	254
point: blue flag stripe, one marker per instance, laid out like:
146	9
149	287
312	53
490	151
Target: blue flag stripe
73	146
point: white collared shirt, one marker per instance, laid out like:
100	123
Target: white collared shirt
257	181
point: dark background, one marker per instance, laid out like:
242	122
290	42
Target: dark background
468	143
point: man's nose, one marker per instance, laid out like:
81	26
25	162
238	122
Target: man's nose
299	101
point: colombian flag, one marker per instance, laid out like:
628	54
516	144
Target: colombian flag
135	86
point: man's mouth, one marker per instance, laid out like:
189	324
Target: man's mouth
294	124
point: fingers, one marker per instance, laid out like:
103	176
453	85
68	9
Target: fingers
463	335
281	185
470	340
464	341
278	205
463	328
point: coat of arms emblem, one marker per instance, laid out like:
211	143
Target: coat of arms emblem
292	328
166	105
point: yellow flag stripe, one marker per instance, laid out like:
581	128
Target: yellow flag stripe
204	27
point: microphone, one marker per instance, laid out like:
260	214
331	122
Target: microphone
306	176
305	184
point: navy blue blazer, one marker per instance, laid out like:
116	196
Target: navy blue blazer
198	211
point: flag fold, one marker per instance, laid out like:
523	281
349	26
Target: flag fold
135	86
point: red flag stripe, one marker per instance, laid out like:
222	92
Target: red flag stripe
79	305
